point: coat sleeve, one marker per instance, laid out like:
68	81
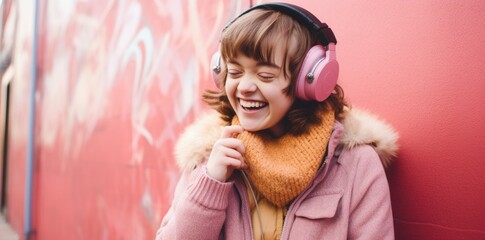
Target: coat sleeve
198	208
371	212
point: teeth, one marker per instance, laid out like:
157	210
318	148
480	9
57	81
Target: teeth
251	104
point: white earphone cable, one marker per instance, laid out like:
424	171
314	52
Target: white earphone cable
255	202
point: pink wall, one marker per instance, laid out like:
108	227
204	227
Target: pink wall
420	65
119	80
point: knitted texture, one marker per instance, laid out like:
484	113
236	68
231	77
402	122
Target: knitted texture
281	168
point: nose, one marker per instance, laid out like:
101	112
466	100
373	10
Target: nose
247	85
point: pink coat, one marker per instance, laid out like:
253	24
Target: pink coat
348	199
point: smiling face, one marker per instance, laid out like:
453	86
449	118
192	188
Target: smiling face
261	52
256	92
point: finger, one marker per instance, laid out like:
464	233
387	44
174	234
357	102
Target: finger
231	153
233	143
234	163
243	163
231	131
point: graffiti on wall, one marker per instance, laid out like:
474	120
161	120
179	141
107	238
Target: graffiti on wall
117	83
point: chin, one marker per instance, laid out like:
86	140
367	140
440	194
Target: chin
250	127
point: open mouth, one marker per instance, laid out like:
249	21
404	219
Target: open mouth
252	105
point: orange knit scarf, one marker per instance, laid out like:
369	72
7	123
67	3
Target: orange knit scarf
281	168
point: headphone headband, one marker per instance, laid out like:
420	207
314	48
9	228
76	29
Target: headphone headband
323	33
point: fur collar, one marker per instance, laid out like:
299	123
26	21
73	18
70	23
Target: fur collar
195	143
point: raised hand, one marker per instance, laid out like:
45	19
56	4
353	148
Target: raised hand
227	154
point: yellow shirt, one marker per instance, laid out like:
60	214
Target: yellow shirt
272	217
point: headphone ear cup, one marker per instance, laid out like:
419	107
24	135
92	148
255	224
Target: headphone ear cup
216	66
318	74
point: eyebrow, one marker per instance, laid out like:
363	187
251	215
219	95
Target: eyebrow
259	64
268	64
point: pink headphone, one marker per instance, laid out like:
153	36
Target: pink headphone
319	71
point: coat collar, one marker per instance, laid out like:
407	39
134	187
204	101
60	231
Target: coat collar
357	128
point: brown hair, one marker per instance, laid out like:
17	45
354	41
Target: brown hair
258	35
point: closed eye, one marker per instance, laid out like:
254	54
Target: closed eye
233	73
266	76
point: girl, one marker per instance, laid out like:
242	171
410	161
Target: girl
283	157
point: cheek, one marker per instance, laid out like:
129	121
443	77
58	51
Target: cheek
279	101
275	93
230	88
285	104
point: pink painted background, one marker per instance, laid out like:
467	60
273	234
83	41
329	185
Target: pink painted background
119	80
